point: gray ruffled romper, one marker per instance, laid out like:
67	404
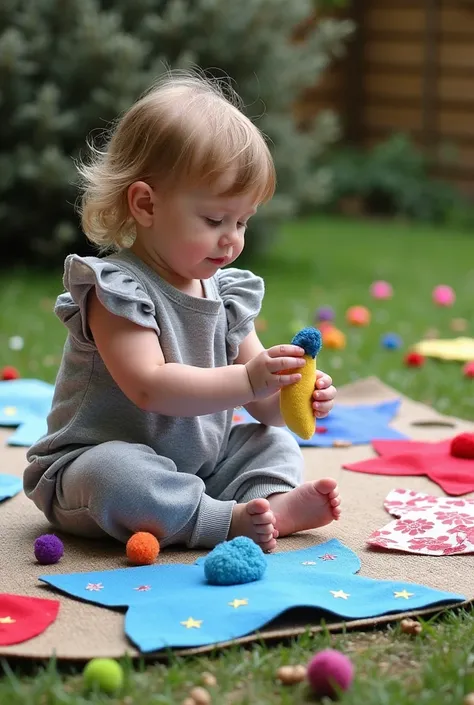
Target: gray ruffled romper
107	467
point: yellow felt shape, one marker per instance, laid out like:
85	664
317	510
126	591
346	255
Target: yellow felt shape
459	349
296	400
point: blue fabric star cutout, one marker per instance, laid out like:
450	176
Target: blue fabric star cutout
356	425
25	404
173	606
9	486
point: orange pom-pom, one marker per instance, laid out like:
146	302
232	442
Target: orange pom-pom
334	339
358	316
142	548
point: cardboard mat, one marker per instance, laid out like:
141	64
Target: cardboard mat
83	631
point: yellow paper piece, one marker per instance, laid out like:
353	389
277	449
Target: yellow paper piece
458	349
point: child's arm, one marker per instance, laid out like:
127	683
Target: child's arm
267	411
133	357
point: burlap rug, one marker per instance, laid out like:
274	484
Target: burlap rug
84	631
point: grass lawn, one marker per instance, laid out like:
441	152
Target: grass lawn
323	261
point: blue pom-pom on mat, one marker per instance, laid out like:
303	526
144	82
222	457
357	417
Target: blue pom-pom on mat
309	339
235	562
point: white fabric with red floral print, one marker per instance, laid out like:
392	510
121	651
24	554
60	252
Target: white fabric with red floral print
435	526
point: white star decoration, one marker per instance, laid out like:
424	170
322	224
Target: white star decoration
238	603
403	593
309	563
340	593
7	620
94	587
192	623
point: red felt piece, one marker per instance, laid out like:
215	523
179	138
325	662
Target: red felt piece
454	475
462	446
22	618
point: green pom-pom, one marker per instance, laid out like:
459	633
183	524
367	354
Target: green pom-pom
103	674
310	340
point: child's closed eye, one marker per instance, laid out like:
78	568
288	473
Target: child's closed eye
216	223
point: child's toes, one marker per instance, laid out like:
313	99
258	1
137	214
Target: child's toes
265	518
267	545
265	530
335	502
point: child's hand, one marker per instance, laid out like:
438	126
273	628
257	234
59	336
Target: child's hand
274	368
323	395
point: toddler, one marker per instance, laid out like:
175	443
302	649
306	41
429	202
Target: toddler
161	343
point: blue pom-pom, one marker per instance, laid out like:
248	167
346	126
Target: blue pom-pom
310	340
391	341
235	562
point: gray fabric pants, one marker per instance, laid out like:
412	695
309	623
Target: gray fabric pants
118	488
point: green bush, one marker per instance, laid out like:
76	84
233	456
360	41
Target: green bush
68	67
393	178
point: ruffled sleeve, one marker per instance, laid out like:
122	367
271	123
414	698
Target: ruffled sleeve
116	289
242	294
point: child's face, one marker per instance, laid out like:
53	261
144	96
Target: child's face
194	233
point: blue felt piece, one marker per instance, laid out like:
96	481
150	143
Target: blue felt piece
358	425
174	606
25	405
9	486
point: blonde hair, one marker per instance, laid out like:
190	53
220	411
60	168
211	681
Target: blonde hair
184	132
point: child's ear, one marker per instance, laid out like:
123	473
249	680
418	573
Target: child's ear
141	201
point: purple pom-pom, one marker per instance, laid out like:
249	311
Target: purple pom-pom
48	549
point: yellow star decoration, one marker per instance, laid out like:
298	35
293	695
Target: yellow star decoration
191	623
9	410
340	593
403	593
7	620
238	603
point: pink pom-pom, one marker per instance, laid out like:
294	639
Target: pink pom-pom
444	295
381	290
329	672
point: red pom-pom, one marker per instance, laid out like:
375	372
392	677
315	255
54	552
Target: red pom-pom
468	370
8	373
142	548
414	359
462	446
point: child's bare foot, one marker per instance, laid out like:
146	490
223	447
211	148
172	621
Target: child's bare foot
255	520
306	507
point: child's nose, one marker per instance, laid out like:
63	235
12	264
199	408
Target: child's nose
231	236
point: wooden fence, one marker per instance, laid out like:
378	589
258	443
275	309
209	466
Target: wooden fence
410	68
